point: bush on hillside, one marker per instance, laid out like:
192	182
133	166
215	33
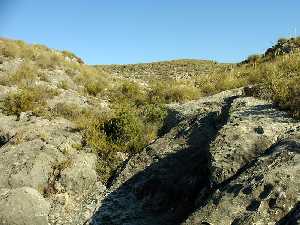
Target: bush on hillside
125	130
26	74
66	110
153	113
64	84
93	81
128	92
28	99
48	60
9	49
280	82
172	91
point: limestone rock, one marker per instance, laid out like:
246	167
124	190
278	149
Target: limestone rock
42	155
81	175
253	126
225	159
263	193
23	206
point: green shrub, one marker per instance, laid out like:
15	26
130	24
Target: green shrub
122	130
125	131
95	86
153	113
280	82
277	80
206	85
128	91
28	99
91	125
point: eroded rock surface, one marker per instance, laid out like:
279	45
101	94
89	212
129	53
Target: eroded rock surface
23	206
225	159
262	193
45	171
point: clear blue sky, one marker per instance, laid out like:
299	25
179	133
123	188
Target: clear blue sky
131	31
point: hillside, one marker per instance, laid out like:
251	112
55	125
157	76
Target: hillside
178	142
175	69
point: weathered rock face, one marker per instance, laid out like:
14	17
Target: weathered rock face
44	178
228	159
23	206
262	193
224	159
252	127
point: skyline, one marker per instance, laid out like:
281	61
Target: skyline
147	31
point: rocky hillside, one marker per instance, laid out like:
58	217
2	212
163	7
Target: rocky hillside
283	46
176	69
81	144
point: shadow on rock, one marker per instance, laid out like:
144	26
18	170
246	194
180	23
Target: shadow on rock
165	192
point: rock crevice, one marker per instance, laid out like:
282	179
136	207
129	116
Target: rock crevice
221	148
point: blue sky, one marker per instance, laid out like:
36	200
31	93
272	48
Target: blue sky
132	31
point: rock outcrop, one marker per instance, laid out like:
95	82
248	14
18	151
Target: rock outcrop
228	159
44	177
224	159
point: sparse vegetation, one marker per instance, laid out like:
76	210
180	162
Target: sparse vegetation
67	110
28	99
9	49
26	74
279	81
172	91
127	92
175	69
72	56
49	61
93	81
